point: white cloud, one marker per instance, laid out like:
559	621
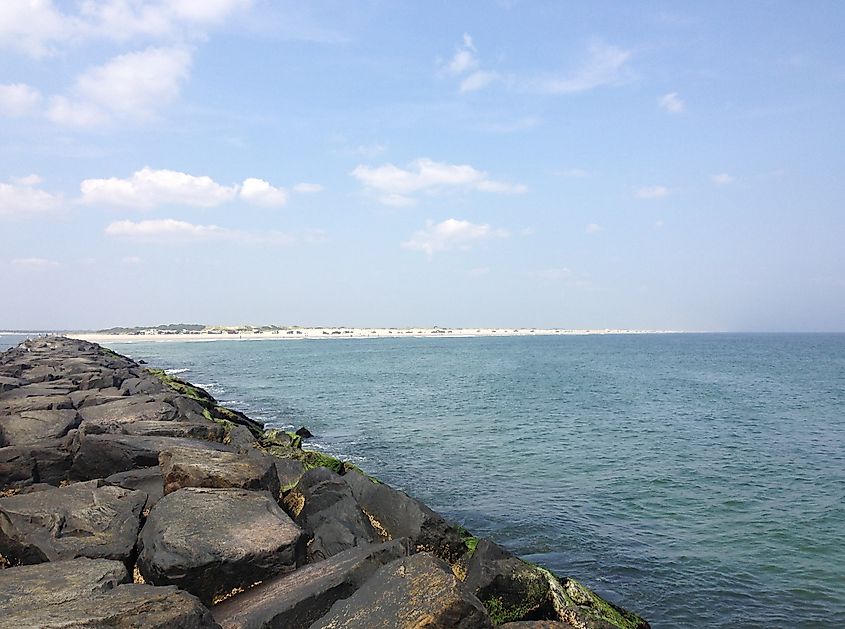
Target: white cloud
41	27
652	192
24	199
478	80
34	264
479	271
393	185
18	99
130	260
722	179
658	224
604	65
171	231
450	234
132	87
148	188
592	228
307	188
29	180
464	60
556	274
260	192
672	103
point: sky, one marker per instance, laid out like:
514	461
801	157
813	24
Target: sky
648	165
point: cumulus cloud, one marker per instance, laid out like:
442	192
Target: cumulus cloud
652	192
672	103
592	228
394	185
34	264
171	231
722	179
132	87
149	188
478	80
603	65
18	99
22	198
260	192
307	188
450	234
42	27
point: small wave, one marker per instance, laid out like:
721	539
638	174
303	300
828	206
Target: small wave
173	372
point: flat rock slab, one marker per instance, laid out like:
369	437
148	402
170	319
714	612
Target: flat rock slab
129	409
147	479
29	427
80	520
212	541
100	456
19	405
298	599
418	591
125	606
537	624
189	467
26	591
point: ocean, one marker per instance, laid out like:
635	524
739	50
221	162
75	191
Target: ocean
697	479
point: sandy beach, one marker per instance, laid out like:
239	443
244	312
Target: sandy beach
325	333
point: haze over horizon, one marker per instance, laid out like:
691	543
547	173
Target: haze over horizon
629	166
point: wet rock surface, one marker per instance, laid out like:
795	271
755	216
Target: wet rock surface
112	472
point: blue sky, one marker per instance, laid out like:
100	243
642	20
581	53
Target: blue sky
583	165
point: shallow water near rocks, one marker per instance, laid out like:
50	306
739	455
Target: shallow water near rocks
696	479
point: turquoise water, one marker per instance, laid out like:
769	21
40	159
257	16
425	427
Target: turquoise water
696	479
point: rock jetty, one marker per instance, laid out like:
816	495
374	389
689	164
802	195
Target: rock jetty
129	498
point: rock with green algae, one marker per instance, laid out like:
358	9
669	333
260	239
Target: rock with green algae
515	590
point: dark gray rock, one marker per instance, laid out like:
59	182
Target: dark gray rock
398	515
189	467
33	426
80	520
142	386
100	456
289	472
418	591
130	409
37	390
241	438
323	505
211	541
517	589
7	383
300	598
147	479
129	606
17	467
28	591
205	431
38	403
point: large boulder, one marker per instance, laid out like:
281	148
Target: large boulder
29	427
80	520
323	505
212	541
298	599
130	409
125	606
398	515
189	467
37	403
100	456
418	591
26	592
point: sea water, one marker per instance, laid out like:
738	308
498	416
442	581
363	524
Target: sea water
696	479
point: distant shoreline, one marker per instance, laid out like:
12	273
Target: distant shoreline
298	334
